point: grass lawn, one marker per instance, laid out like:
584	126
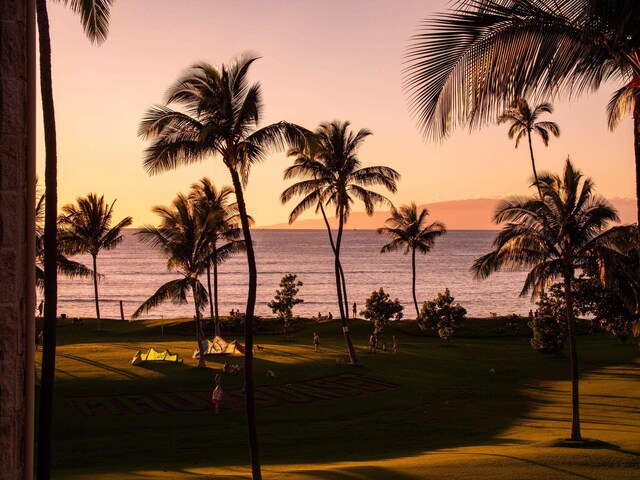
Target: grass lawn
486	407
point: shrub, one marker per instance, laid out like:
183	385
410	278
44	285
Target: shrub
548	325
285	299
379	308
442	316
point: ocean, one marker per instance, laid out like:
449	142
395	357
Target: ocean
133	272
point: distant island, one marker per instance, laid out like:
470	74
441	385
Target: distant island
474	214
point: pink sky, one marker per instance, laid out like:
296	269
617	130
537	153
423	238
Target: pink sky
321	61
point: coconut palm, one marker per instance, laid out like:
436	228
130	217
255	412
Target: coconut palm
220	115
224	233
333	176
183	238
554	236
407	227
86	228
94	16
469	63
524	121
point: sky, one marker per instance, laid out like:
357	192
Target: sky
321	61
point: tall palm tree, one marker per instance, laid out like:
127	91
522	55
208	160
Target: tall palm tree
408	227
524	120
94	15
86	228
333	176
220	115
467	64
224	233
554	236
183	238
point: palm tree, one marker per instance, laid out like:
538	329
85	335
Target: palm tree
407	226
220	116
333	176
469	63
224	233
524	121
94	15
183	238
554	236
86	228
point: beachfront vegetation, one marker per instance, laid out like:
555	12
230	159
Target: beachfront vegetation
220	115
442	316
379	309
549	325
470	63
85	227
285	299
408	228
444	411
94	16
553	236
224	234
183	239
524	120
333	176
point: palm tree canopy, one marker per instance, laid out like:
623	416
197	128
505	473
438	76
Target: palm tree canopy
333	174
86	226
220	113
564	231
407	227
94	15
524	121
466	65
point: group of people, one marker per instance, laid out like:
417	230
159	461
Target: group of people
373	344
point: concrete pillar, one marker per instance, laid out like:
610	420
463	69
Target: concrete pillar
17	196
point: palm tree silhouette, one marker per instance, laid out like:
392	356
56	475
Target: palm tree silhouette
467	64
554	236
221	113
408	227
94	15
333	176
183	238
86	228
224	233
524	121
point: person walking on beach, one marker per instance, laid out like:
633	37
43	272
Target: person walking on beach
316	342
216	398
355	309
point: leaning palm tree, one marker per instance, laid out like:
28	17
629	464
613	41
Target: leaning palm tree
524	121
220	115
183	238
86	228
224	233
333	176
94	15
554	236
408	227
468	64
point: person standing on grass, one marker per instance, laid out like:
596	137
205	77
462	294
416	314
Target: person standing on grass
316	342
395	344
216	398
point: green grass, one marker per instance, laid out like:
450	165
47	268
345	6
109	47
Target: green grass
450	416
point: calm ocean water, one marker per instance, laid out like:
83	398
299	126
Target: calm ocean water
133	272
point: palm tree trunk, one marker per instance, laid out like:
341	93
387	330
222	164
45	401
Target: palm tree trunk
201	362
573	356
533	165
636	144
248	328
413	278
213	319
333	248
95	291
339	284
50	247
215	299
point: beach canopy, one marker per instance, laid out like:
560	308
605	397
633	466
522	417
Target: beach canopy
155	356
218	346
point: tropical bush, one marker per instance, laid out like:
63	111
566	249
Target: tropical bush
548	325
379	308
442	315
285	299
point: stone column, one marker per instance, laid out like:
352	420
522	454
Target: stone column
17	197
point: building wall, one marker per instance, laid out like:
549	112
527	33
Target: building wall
16	310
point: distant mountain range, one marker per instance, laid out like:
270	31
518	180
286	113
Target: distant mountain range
473	214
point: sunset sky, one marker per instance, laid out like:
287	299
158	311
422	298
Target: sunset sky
321	61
